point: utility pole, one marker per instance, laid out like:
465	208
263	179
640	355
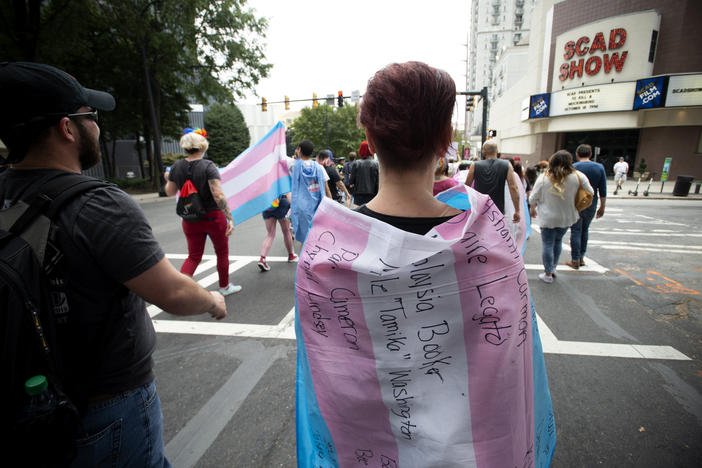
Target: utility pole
483	96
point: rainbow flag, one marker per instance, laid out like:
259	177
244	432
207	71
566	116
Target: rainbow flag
417	351
257	176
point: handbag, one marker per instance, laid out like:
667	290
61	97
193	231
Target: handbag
583	198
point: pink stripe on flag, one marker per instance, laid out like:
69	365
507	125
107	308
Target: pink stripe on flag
260	186
249	159
498	339
334	330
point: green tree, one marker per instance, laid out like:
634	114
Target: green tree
344	134
227	133
154	56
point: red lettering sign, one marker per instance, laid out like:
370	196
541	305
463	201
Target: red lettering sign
617	38
578	49
572	69
598	43
589	65
615	60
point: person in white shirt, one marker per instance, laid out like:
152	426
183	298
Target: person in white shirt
620	170
554	195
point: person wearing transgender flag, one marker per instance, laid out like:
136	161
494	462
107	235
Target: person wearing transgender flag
416	335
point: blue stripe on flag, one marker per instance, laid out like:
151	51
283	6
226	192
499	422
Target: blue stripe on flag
312	432
544	419
455	199
262	202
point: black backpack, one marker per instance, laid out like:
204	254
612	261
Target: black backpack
28	325
190	206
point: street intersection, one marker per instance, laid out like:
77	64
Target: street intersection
622	334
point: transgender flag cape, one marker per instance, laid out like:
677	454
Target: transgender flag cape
418	351
257	176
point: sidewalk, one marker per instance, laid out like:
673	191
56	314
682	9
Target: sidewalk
654	191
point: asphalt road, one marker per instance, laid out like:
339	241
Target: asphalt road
622	337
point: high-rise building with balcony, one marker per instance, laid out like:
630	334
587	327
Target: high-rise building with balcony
495	26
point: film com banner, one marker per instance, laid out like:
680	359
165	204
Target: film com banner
418	351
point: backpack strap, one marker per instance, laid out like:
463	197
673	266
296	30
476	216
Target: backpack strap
57	191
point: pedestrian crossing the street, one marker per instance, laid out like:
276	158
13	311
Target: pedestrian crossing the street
206	276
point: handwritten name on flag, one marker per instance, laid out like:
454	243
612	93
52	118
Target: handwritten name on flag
418	351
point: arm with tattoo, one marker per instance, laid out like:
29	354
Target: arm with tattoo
220	198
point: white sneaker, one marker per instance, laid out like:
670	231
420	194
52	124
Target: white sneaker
545	278
231	289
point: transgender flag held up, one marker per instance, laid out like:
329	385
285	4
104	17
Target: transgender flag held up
257	176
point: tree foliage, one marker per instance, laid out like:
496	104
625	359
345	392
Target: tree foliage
344	134
227	132
181	50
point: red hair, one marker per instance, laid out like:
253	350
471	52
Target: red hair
407	110
364	151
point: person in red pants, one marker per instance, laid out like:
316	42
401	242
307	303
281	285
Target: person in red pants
217	222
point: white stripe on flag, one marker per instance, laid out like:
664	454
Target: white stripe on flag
250	176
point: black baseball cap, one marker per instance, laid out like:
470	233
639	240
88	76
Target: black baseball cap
30	92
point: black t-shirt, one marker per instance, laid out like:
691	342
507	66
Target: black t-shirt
490	176
106	240
334	177
416	225
202	171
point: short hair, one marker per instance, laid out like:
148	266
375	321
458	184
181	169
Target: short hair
306	148
324	154
364	150
194	143
490	147
463	165
352	155
407	109
583	151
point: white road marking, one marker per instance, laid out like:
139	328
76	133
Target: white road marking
285	329
651	233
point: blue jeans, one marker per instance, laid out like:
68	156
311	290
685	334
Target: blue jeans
579	234
551	247
125	430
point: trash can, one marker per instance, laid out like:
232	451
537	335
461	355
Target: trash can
682	185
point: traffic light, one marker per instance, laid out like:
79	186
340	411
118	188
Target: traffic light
315	104
287	103
340	99
264	105
470	103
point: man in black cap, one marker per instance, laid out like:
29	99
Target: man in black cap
110	263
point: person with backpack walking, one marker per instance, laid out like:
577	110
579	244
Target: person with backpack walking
215	219
104	263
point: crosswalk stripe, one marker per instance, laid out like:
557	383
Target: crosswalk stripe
285	329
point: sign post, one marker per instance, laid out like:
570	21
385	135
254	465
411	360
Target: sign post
664	173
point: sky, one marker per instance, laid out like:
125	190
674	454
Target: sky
326	46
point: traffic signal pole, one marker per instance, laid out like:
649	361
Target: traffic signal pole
483	95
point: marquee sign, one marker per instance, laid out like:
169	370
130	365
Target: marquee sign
616	49
684	90
600	98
